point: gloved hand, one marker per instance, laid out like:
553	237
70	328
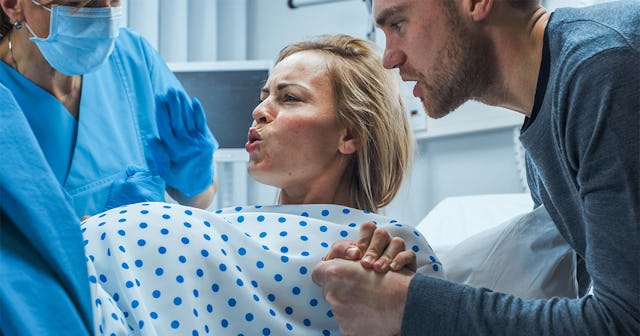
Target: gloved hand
184	152
135	185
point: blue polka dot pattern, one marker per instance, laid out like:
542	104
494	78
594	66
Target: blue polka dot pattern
239	271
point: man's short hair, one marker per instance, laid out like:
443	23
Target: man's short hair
523	4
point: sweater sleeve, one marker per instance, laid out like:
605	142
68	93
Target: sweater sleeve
598	137
438	307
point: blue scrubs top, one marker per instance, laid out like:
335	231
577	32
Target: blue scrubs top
42	259
116	119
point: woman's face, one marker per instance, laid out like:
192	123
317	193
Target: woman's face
38	17
296	142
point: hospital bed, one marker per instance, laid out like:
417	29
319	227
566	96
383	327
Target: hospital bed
499	242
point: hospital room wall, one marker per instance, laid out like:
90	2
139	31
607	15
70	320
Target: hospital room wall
476	161
482	162
467	163
217	30
209	30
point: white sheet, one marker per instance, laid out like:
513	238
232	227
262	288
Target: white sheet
496	242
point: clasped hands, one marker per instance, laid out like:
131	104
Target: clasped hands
375	249
366	282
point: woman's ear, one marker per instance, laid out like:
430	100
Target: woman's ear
348	144
13	10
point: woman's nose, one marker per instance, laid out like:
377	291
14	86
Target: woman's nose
262	113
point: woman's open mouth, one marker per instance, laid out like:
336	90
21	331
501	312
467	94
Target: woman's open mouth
253	137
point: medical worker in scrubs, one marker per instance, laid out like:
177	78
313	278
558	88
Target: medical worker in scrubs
114	124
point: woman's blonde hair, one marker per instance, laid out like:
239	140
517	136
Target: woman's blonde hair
370	106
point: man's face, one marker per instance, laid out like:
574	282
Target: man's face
430	44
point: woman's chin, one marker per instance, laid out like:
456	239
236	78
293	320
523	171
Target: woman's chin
259	174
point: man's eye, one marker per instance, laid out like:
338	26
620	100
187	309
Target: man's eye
397	25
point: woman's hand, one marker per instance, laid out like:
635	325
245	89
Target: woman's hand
184	152
375	249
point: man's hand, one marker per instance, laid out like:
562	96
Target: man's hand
363	302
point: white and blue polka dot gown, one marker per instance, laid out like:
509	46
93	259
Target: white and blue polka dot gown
166	269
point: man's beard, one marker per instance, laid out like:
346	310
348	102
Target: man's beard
468	71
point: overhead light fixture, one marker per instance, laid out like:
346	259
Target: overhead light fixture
371	34
302	3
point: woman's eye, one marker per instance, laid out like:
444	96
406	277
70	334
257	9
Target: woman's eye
290	98
71	3
264	94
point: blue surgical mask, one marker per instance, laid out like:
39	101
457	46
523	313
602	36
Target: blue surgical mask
80	39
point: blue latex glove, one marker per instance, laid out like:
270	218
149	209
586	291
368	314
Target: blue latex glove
184	152
135	185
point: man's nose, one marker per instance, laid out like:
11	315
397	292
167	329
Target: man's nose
393	57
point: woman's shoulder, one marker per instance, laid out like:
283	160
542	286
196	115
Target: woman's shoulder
328	212
128	35
131	42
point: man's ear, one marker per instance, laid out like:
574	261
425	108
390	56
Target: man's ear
13	9
478	10
348	144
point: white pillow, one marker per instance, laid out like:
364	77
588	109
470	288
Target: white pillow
457	218
525	256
